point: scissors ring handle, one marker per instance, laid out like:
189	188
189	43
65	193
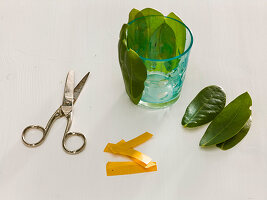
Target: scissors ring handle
36	127
72	134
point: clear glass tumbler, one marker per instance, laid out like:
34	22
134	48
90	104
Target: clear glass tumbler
165	63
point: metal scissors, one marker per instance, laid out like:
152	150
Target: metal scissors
70	96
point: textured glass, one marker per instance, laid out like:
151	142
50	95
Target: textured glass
165	60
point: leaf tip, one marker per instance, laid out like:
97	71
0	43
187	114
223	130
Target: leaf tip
134	10
202	143
133	14
170	14
184	124
246	93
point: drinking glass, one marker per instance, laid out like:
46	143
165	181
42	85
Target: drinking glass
165	63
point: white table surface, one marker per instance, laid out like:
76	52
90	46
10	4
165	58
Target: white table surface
41	40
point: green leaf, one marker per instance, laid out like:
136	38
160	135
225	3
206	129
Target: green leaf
137	37
179	31
132	67
132	14
133	71
148	12
139	32
152	23
208	103
123	31
122	54
122	46
162	43
229	122
172	15
137	75
228	144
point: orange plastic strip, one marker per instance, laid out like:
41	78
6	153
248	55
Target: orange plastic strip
141	158
137	141
124	148
123	168
131	143
107	149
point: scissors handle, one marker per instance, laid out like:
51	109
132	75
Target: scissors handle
44	131
73	134
68	135
31	127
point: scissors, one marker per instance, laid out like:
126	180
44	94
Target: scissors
70	96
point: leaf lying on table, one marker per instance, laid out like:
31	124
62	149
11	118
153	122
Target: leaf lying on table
228	144
229	122
208	103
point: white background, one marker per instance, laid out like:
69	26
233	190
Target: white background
41	40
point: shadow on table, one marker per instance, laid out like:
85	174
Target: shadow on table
13	162
126	119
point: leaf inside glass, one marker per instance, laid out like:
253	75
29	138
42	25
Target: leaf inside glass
155	36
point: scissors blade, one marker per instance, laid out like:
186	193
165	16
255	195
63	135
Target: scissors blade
68	93
79	87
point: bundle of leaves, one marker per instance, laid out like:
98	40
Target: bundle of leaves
148	34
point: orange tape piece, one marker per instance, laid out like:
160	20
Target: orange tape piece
131	143
136	141
143	159
107	148
142	162
123	168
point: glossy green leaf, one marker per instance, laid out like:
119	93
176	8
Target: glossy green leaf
208	103
132	14
122	54
229	122
180	39
139	33
133	70
179	31
162	43
174	16
137	75
228	144
122	47
123	31
132	67
152	23
137	36
148	12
